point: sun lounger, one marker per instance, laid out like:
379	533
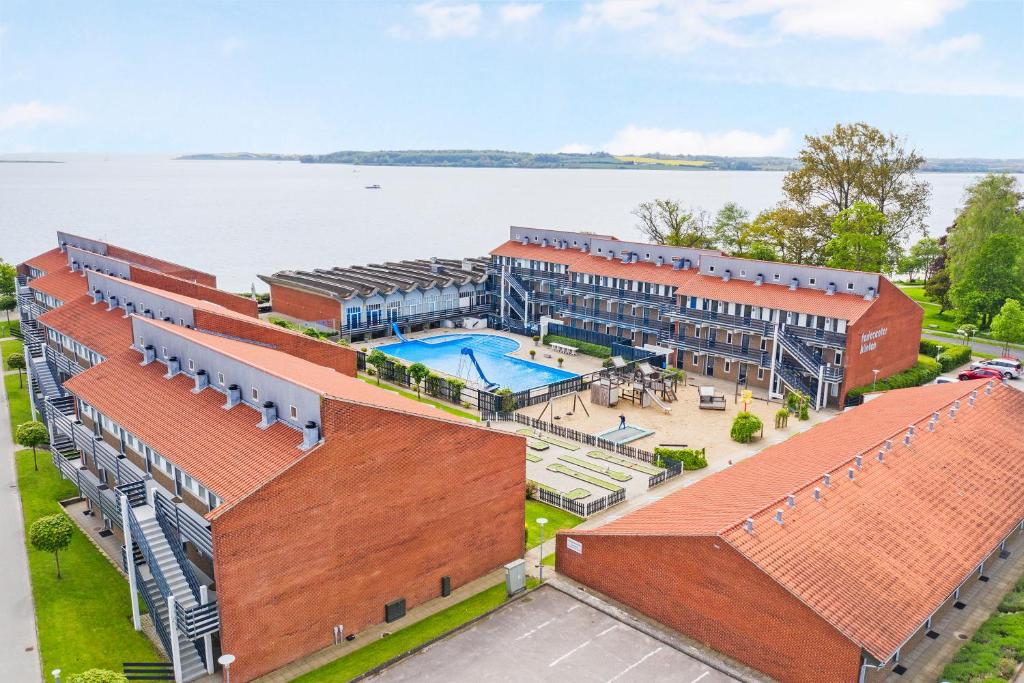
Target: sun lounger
710	399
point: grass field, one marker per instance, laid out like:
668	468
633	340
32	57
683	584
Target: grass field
933	320
662	162
557	519
5	327
450	409
8	347
18	397
84	619
385	649
995	650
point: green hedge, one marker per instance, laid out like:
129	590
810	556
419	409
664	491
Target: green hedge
953	357
692	458
928	347
923	372
745	426
997	646
586	348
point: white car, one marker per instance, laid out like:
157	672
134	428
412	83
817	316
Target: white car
944	380
1009	367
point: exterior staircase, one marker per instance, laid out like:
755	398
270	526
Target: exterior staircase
797	348
789	373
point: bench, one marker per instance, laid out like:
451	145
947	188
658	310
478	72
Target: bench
565	349
709	399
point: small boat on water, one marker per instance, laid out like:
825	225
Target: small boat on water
373	187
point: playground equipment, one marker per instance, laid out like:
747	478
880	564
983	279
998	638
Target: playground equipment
488	384
398	332
644	385
577	400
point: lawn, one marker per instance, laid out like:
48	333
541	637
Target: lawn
84	619
20	409
933	320
399	642
8	347
557	519
448	408
5	327
997	646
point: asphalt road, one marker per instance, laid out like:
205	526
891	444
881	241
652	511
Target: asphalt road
19	650
550	636
993	348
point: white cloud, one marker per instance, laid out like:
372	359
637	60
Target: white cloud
231	45
638	140
518	13
449	20
968	42
859	19
31	114
576	148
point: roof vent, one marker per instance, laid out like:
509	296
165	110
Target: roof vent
859	461
63	246
791	500
609	255
202	381
759	280
988	387
148	313
74	266
310	435
269	414
881	456
793	284
660	261
748	525
525	240
583	247
112	302
952	412
851	473
687	264
625	257
173	367
817	493
544	242
467	265
972	398
908	436
726	275
435	267
97	296
831	289
888	444
234	396
778	516
827	480
129	308
677	263
870	294
148	355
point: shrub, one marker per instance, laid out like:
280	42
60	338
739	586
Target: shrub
607	363
531	490
536	339
560	361
745	426
455	387
281	323
533	353
508	400
953	357
997	646
433	384
52	534
781	418
98	676
691	458
586	348
928	348
925	370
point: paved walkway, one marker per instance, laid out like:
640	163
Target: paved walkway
981	346
19	648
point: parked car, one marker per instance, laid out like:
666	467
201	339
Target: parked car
980	373
1008	367
942	379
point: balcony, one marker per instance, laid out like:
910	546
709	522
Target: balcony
61	362
736	322
811	334
536	275
660	302
382	321
733	351
621	320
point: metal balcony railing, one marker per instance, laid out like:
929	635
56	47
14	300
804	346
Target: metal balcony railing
536	275
184	524
661	302
818	336
696	315
383	321
653	325
733	351
62	362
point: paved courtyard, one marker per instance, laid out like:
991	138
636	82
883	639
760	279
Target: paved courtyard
549	636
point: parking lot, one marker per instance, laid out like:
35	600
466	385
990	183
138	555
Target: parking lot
549	636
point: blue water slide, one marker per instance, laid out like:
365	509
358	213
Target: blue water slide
398	332
466	351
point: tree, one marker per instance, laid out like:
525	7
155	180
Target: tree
31	435
1008	324
377	359
857	244
51	534
937	289
7	304
730	224
663	221
7	275
923	255
16	361
857	162
418	372
98	676
985	253
788	233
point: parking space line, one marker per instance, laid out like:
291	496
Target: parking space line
608	630
700	677
634	665
572	608
578	647
534	630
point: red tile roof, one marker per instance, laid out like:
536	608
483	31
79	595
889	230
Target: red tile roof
105	332
223	449
692	283
61	283
880	552
48	261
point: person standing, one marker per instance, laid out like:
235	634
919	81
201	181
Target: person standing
622	421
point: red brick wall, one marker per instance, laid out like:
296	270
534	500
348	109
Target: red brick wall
305	306
388	505
897	350
165	267
706	590
233	302
317	351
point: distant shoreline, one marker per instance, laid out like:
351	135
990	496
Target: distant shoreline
600	160
29	161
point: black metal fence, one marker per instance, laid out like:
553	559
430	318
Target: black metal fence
435	386
589	336
577	507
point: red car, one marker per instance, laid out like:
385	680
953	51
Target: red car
980	373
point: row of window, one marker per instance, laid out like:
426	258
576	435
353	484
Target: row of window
430	304
47	300
70	344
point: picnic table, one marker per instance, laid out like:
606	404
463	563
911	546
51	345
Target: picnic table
710	399
564	348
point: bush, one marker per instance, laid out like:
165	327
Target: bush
531	490
98	676
586	348
691	458
745	426
455	387
781	418
508	400
923	372
607	363
953	357
281	323
997	646
928	348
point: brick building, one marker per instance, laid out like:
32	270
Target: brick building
828	556
819	331
270	496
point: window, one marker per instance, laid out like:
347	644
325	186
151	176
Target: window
163	351
181	321
727	367
160	314
764	344
191	365
728	339
255	393
812	282
775	277
293	412
849	285
711	269
839	358
696	361
220	378
760	373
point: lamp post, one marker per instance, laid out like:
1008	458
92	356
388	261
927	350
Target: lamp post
56	675
541	521
874	379
226	661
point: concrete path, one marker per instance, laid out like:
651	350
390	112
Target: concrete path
981	346
19	648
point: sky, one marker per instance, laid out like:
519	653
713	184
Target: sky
726	77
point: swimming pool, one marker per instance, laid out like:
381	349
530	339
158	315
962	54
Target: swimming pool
444	354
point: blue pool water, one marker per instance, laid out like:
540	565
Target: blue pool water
444	354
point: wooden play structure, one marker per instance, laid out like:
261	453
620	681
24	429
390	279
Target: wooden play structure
644	385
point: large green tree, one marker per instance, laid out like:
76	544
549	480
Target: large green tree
52	534
985	253
1008	324
730	224
858	244
665	221
857	162
789	233
7	274
921	257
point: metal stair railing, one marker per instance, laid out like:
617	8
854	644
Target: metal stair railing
516	307
184	524
803	353
62	362
791	376
515	285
